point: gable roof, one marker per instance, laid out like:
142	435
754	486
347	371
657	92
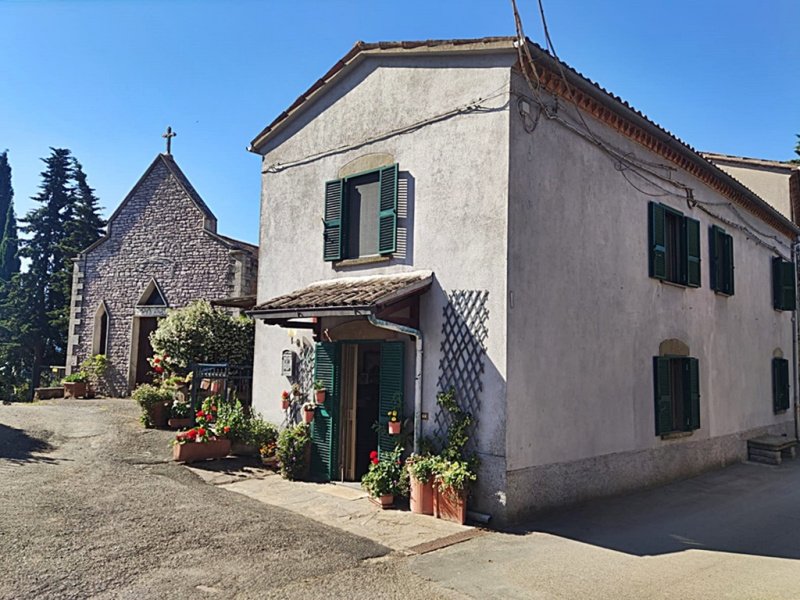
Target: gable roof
746	161
558	78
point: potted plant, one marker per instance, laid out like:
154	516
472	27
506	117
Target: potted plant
75	385
450	490
294	451
421	471
285	400
308	412
95	369
386	478
179	414
155	403
394	423
199	443
319	391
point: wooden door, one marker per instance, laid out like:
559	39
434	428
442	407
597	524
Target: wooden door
348	437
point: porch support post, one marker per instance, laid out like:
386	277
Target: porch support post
417	335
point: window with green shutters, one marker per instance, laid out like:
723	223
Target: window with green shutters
361	215
783	282
676	382
325	426
391	392
674	245
780	384
721	260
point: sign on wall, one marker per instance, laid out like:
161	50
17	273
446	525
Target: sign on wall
287	363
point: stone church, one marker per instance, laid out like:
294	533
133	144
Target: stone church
161	250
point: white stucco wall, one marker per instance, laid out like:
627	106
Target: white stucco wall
458	170
771	184
587	319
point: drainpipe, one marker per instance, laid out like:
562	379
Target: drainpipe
795	333
417	335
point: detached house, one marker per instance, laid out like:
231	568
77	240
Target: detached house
614	309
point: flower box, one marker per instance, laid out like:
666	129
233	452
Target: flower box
421	497
181	423
450	505
241	449
385	501
159	414
194	451
74	389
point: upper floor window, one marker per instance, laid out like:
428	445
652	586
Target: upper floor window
361	215
721	259
783	294
674	246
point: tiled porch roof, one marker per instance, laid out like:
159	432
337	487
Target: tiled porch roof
345	295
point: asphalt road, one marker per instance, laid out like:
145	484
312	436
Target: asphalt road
90	507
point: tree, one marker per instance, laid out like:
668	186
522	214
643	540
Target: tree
200	333
796	151
9	260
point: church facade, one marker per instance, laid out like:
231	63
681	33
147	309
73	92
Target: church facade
161	250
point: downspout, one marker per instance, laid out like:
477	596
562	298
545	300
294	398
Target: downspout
417	335
794	343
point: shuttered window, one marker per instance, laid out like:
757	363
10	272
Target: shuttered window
674	246
391	392
676	382
721	260
325	426
783	294
361	215
780	384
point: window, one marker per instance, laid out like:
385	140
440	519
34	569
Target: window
674	246
721	259
783	295
780	384
100	333
361	215
677	394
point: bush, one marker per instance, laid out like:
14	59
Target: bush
422	467
292	444
200	333
386	476
95	369
79	377
147	396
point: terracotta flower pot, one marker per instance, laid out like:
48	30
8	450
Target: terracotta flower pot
159	414
385	501
240	449
74	389
270	461
179	423
284	404
194	451
320	395
394	427
421	499
308	416
450	505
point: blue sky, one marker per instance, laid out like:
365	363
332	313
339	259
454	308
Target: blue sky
105	78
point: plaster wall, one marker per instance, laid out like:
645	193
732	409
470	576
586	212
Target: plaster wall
585	320
769	183
456	170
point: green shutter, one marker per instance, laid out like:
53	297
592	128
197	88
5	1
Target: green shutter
334	201
727	264
658	241
715	257
663	397
692	245
391	392
387	217
325	427
721	259
783	284
780	384
691	382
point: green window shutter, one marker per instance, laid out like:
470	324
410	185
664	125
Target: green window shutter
387	217
663	395
715	257
333	234
658	241
721	259
780	384
691	382
783	284
727	263
692	245
391	392
325	426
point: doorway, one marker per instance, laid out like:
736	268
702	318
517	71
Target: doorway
144	349
361	365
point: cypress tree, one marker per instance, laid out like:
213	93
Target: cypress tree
90	226
9	246
6	191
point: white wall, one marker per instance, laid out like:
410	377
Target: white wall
771	184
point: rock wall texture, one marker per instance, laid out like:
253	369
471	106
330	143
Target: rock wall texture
164	232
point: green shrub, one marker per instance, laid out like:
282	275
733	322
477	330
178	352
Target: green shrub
386	476
95	369
147	396
422	467
79	377
292	444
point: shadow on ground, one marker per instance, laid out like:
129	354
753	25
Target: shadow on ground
19	447
745	509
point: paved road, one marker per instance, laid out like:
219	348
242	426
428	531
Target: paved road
90	509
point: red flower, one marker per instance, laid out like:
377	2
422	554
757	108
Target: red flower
375	461
200	414
373	454
285	395
158	369
191	434
213	408
226	429
201	431
156	360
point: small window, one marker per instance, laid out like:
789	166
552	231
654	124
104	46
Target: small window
674	246
721	260
677	394
361	215
780	384
783	294
100	333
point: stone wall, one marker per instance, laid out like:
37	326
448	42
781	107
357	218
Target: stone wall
158	233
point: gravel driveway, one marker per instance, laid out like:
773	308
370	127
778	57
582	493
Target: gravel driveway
91	508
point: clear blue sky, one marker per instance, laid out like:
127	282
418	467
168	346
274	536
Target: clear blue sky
104	78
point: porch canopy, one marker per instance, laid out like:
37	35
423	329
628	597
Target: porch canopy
343	297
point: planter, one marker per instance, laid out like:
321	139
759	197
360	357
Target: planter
159	414
450	505
394	427
74	389
271	462
285	404
241	449
421	499
385	501
320	395
194	451
180	423
308	416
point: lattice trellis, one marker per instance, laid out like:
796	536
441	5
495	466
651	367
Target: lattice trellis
304	377
465	327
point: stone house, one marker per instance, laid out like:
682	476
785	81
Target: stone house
161	250
476	214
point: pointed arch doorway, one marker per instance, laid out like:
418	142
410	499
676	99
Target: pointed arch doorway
151	307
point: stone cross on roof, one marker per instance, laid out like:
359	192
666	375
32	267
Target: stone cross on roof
169	135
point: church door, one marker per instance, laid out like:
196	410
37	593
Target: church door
144	373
